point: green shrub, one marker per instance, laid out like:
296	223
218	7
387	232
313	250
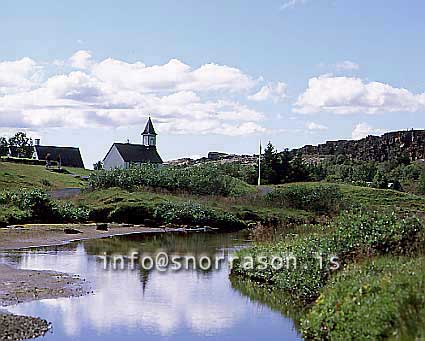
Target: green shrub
129	213
200	180
323	198
39	207
195	214
374	300
422	183
10	215
354	235
67	212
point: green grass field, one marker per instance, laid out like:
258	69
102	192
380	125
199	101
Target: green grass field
14	176
376	198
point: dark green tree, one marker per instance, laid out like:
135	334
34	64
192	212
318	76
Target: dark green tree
269	164
298	170
98	165
380	180
23	145
3	146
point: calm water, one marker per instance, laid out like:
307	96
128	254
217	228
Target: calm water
151	305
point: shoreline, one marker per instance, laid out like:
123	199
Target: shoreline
19	286
45	235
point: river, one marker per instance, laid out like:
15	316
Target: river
135	304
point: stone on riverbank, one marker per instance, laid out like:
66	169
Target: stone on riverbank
15	327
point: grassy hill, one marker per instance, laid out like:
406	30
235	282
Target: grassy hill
374	198
15	176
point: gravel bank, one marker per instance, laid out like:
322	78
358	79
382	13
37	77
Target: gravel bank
26	236
18	286
15	327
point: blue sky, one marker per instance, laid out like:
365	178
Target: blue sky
215	75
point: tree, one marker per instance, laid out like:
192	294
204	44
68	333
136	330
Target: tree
22	144
298	170
4	145
380	180
271	165
284	168
98	165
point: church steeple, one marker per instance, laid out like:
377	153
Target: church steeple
149	134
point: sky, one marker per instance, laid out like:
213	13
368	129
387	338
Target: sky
213	75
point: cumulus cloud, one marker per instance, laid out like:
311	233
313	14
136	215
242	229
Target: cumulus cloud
174	76
116	93
347	95
19	75
347	65
362	130
275	92
315	126
81	59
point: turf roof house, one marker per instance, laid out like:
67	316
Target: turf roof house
124	155
64	156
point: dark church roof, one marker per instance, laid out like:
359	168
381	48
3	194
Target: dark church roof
69	156
138	153
149	128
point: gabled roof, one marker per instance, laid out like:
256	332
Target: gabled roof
138	153
69	156
149	128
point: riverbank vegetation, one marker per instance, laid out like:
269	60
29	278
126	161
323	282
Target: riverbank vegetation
388	292
36	206
345	270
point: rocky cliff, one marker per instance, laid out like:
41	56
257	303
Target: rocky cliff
389	146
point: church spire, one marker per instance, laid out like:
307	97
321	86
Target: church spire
149	129
149	134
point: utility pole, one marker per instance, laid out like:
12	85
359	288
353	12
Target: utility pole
259	166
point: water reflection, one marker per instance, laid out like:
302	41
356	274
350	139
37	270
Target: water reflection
129	304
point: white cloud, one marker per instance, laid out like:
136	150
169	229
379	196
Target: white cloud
347	65
19	75
292	3
315	126
362	130
346	95
81	59
275	92
172	76
120	94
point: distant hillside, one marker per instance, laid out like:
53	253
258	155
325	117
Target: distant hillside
389	146
216	157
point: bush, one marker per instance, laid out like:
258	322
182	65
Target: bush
195	214
39	207
387	292
422	183
321	198
129	213
200	180
354	235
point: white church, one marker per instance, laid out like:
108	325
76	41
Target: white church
125	155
